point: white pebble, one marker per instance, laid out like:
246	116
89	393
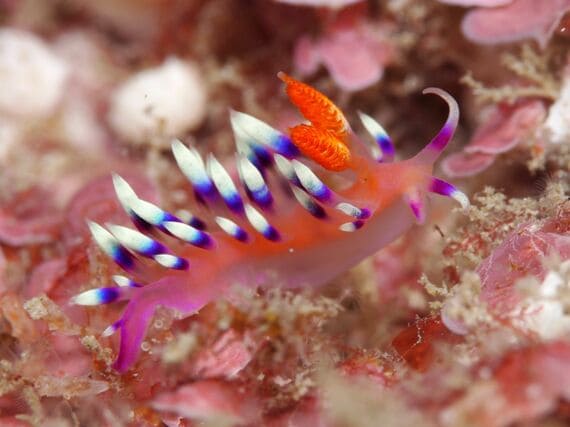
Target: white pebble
557	123
157	104
545	313
10	136
32	76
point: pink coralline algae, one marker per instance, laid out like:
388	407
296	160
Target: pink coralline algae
353	51
466	164
506	126
533	380
96	201
522	255
523	385
225	358
211	400
29	219
505	21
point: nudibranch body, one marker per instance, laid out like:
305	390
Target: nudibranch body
307	206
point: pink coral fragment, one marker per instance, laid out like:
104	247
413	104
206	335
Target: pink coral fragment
528	383
12	310
45	277
306	56
460	165
521	255
353	52
519	20
13	422
76	386
351	59
97	201
534	379
507	127
226	358
202	400
306	414
29	219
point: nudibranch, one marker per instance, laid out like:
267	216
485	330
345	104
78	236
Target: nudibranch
305	207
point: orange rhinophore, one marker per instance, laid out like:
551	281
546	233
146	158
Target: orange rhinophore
316	107
321	146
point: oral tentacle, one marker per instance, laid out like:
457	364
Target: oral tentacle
432	151
441	187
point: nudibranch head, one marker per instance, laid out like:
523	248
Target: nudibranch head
327	141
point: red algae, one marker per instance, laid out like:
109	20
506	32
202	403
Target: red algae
415	344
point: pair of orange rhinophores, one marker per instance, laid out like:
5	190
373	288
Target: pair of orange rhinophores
325	139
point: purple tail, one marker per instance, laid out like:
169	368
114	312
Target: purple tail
169	292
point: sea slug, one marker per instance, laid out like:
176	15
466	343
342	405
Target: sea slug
307	207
